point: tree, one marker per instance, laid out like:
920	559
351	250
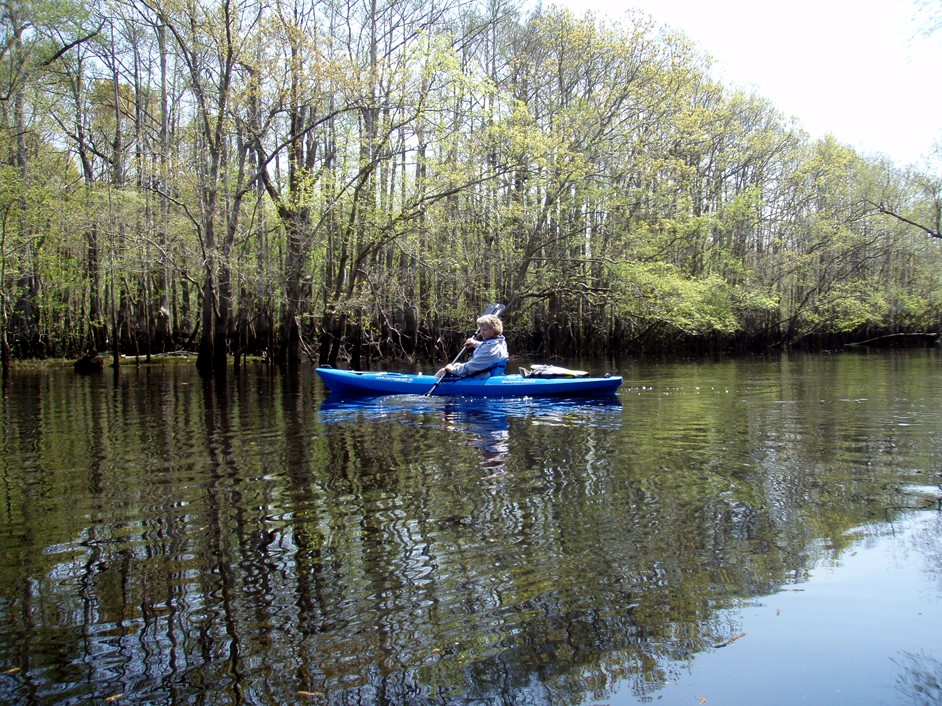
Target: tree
211	41
34	38
919	205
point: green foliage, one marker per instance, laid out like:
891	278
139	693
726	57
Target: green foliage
316	164
659	293
849	306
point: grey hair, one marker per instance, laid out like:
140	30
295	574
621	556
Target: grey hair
497	326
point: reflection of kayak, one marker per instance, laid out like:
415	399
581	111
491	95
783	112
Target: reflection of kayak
381	383
339	407
601	411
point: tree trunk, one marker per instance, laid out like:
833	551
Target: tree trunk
205	358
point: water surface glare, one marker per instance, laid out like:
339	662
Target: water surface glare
738	531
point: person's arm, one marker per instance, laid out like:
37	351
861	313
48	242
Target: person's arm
485	356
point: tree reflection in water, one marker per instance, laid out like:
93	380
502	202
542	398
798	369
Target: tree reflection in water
246	541
920	678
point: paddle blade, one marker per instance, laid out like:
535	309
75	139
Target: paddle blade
495	309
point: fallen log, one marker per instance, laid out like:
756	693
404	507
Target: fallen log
900	339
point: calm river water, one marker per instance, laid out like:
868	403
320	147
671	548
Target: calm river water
759	531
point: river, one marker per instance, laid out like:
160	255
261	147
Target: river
742	531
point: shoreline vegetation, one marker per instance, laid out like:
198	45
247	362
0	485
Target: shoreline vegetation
349	182
108	359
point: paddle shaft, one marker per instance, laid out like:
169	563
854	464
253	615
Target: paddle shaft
465	347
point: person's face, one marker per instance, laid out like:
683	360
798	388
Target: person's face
487	331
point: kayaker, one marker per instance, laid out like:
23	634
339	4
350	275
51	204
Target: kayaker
488	354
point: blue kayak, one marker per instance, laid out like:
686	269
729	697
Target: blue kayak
381	383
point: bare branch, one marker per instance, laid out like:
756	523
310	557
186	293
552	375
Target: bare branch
902	219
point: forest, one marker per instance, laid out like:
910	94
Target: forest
346	181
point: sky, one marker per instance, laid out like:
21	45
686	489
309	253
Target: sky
860	70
